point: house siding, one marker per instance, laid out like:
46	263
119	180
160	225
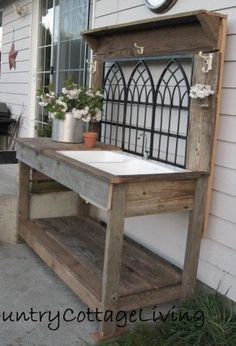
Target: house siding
14	83
166	234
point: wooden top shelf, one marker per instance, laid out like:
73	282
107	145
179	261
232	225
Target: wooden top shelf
41	144
157	22
158	35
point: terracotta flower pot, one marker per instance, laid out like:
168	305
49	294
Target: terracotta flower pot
90	139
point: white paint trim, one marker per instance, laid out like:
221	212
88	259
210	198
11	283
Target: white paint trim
33	65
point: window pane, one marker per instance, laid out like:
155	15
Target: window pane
76	60
72	55
60	43
44	58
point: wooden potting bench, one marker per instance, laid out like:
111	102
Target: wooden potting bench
107	270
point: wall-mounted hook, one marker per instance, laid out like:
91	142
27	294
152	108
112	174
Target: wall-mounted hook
92	66
140	49
208	58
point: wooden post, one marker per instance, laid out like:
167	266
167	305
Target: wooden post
202	118
195	230
112	259
82	207
222	44
23	194
97	75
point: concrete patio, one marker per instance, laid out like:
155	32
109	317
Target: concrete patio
26	282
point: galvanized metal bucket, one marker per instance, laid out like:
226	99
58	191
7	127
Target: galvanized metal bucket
68	130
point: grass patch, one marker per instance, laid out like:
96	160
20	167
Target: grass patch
213	323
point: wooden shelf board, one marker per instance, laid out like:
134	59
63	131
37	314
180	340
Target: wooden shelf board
116	41
74	248
176	19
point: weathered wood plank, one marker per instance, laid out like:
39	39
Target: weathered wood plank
158	197
195	230
98	192
149	298
141	269
149	266
74	248
222	45
157	35
73	273
156	42
23	203
112	257
210	24
97	76
82	207
202	119
40	144
85	239
27	149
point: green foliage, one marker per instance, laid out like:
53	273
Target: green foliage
43	129
218	329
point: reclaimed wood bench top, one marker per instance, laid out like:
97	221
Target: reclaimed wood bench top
47	148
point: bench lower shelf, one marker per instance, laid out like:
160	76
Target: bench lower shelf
73	247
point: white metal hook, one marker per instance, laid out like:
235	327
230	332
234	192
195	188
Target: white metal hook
140	49
208	58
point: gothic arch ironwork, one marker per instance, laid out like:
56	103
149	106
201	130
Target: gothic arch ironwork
139	113
171	96
140	94
114	87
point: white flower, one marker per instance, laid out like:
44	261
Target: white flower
49	97
62	104
73	94
86	119
83	112
98	94
52	93
76	113
200	91
98	115
43	104
64	91
89	93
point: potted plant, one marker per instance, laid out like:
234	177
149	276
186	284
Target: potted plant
70	108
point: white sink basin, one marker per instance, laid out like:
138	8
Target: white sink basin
96	156
119	163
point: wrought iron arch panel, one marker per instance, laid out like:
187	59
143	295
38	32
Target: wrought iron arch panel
170	122
139	110
114	86
146	108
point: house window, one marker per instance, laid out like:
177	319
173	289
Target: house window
0	42
62	53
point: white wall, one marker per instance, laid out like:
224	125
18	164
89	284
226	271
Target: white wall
14	84
166	234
